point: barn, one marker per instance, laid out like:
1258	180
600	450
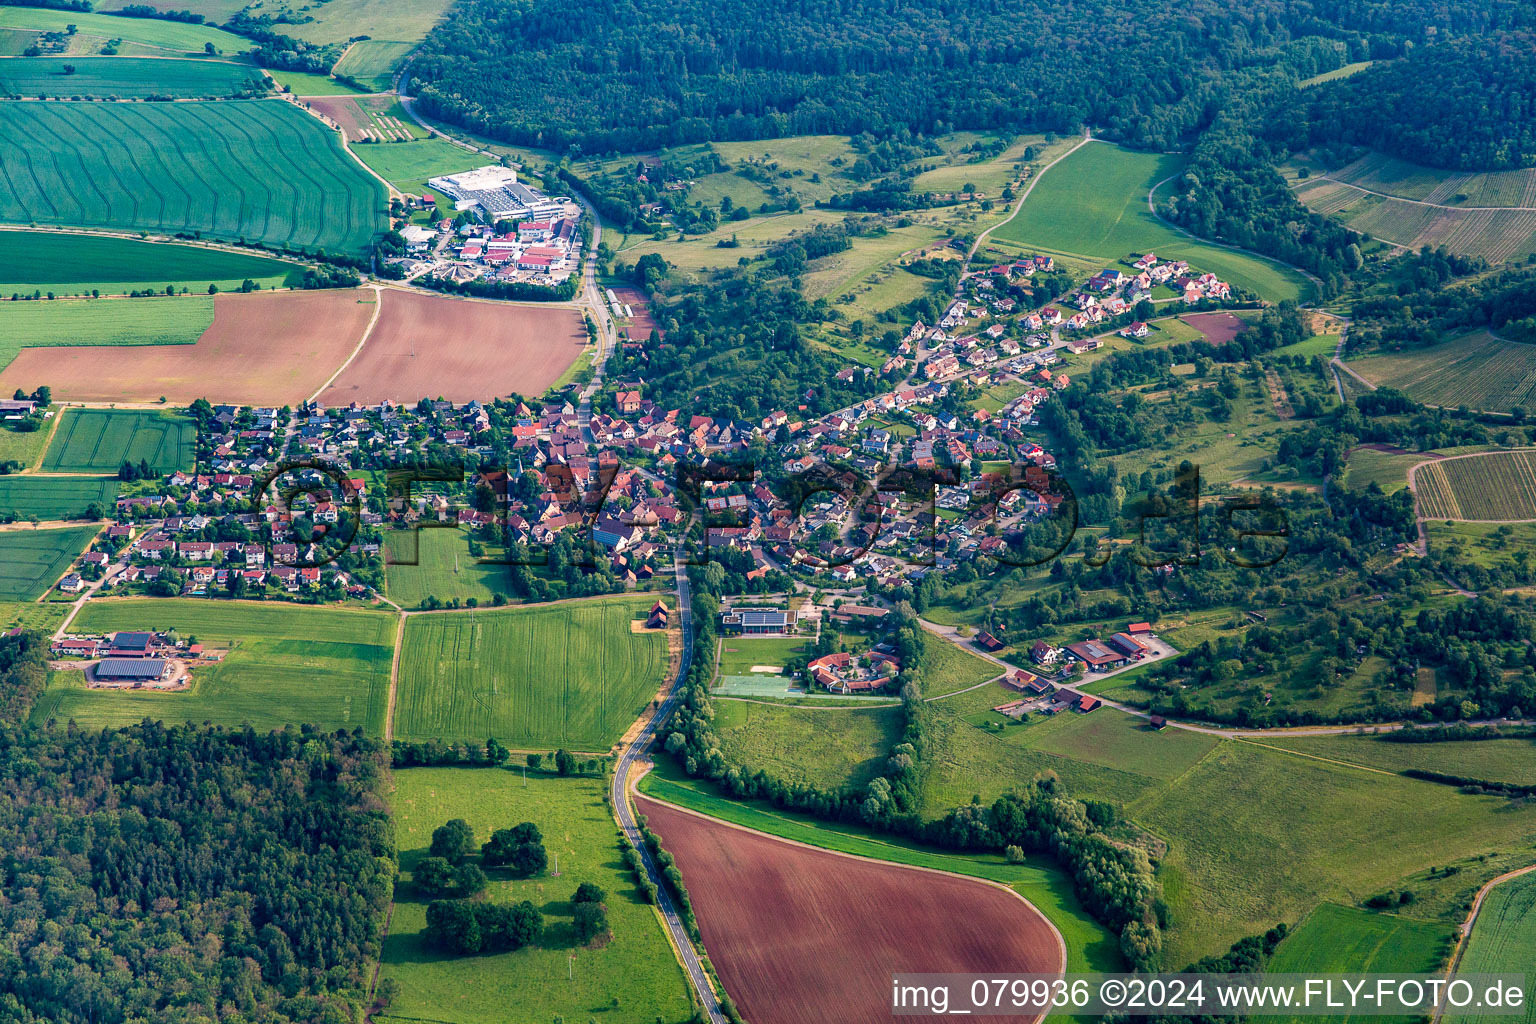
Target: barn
130	670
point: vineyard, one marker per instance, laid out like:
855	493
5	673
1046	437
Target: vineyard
1495	487
568	675
1413	206
1477	370
260	170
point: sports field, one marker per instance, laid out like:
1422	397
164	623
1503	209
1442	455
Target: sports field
443	568
253	169
91	322
372	61
1502	942
264	348
633	978
287	664
157	37
569	675
55	497
1093	205
74	264
99	440
31	561
127	78
1476	370
1493	487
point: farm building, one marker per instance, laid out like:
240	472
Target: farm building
1026	682
1044	654
130	670
1096	655
987	642
1139	628
657	619
756	621
131	645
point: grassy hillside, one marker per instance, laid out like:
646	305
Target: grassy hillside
1093	206
1502	940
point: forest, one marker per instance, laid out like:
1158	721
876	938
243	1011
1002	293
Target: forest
1482	117
190	874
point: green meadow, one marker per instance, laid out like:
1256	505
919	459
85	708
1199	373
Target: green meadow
158	37
408	165
99	440
372	62
632	978
75	264
443	568
287	664
569	674
1506	760
829	749
1093	206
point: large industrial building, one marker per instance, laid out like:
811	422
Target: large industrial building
494	193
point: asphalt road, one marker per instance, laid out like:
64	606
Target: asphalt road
637	751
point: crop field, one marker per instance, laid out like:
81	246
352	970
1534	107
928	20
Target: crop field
254	169
569	675
1244	817
1107	220
1476	370
373	61
436	346
827	749
299	83
216	11
99	440
157	37
127	78
1504	760
630	979
443	568
287	664
1340	940
77	323
32	560
1492	487
55	497
801	934
43	616
337	21
75	264
264	348
1038	879
1502	940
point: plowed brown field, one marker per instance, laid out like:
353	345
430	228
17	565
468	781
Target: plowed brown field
1218	328
806	936
263	348
433	346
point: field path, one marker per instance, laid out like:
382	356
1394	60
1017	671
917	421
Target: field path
1466	928
378	304
1019	203
394	675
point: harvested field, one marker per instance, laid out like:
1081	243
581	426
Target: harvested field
264	348
459	349
803	936
1218	328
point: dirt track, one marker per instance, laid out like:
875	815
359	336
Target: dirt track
436	346
805	936
264	348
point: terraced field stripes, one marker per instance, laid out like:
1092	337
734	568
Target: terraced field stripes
254	169
1491	487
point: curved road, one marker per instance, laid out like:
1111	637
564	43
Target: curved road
636	751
